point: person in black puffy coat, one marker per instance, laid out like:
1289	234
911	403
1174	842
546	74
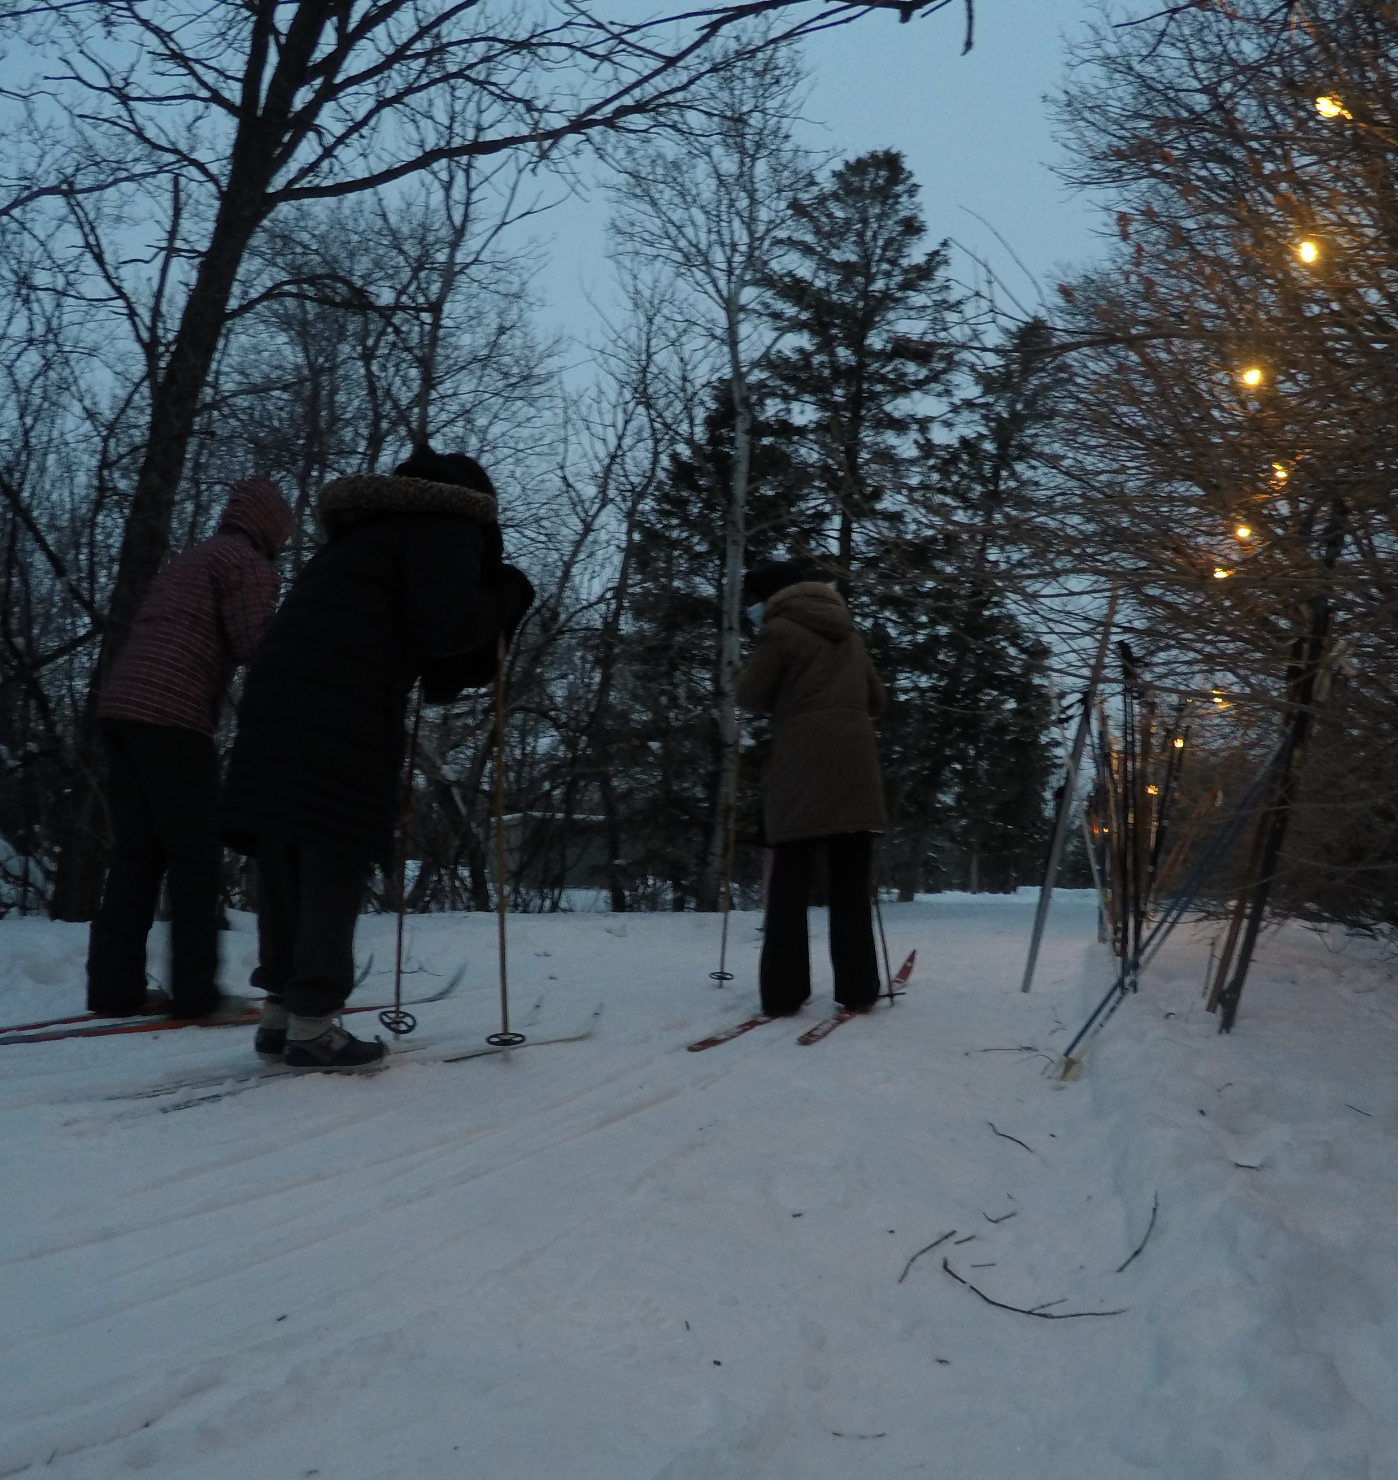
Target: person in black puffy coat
410	583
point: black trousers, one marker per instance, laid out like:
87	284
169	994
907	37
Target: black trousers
162	783
786	960
308	899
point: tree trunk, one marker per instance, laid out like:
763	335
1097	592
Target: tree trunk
730	634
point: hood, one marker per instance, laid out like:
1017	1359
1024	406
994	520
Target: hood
814	606
257	510
392	493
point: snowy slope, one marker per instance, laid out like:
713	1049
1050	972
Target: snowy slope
615	1260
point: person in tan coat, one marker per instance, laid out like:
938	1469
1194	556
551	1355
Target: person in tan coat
809	670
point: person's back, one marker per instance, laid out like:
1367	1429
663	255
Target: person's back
409	584
203	615
809	670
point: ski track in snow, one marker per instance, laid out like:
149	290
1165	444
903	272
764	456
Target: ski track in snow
614	1260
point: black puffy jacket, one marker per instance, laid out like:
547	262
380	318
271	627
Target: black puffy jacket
395	594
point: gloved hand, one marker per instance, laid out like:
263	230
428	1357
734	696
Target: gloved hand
514	595
444	678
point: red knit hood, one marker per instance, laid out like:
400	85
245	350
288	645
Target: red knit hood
257	510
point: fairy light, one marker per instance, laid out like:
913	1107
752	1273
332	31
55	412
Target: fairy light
1329	106
1252	377
1179	742
1220	574
1308	251
1152	791
1279	473
1243	532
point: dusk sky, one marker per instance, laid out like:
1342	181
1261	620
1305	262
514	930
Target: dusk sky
974	129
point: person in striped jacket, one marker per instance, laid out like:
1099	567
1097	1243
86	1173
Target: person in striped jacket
203	616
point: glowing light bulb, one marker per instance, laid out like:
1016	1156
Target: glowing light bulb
1252	376
1279	473
1179	742
1329	106
1243	532
1308	251
1220	574
1152	791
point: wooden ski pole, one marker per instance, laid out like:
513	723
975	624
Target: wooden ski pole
395	1018
504	1038
723	974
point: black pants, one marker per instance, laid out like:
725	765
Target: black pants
162	783
786	959
308	899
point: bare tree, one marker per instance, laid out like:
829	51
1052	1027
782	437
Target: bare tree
709	214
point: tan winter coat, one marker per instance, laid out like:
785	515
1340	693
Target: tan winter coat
810	671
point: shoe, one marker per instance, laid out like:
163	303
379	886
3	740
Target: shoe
223	1007
334	1049
269	1044
155	1002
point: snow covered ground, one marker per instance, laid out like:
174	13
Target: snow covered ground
615	1260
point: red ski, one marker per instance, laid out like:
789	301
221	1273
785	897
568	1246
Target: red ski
728	1034
826	1026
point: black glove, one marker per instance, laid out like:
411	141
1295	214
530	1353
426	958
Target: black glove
444	678
514	595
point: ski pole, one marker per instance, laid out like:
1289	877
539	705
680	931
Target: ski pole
504	1038
723	974
1060	827
396	1019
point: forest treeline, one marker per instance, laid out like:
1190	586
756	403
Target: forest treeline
205	276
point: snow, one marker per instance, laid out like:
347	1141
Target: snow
615	1260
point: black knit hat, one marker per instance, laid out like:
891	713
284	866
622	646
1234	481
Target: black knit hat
446	467
763	581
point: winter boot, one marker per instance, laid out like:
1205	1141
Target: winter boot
269	1042
222	1007
318	1043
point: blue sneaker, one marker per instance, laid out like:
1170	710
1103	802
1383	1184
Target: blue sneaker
334	1049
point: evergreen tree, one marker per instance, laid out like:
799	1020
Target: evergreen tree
917	530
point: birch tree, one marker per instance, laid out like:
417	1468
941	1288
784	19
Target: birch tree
708	215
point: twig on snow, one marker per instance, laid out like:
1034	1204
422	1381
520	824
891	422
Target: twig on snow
1015	1139
1357	1110
1154	1209
934	1244
1003	1218
1038	1311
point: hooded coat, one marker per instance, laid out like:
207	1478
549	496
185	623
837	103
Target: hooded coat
810	671
203	615
408	581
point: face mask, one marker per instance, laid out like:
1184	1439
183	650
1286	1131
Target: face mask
755	616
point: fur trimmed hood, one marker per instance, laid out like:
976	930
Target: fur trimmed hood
392	493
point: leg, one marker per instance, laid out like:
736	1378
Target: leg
278	907
180	769
116	951
331	891
852	951
785	973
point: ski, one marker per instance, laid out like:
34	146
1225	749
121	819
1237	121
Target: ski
729	1034
826	1026
899	984
106	1028
95	1018
227	1086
